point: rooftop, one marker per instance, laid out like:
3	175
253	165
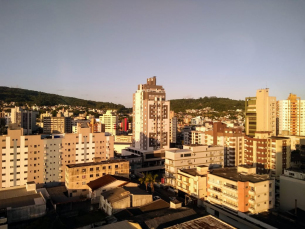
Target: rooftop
279	138
95	163
59	194
192	172
232	174
207	222
18	197
116	194
105	180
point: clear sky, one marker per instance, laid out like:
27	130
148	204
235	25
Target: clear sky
102	49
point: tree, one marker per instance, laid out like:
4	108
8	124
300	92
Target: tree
153	181
145	179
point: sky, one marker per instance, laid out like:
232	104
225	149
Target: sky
102	49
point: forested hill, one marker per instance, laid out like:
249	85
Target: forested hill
218	104
23	96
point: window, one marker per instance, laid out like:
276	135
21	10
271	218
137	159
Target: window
91	169
91	175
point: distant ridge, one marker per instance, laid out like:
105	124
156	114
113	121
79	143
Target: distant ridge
218	104
23	96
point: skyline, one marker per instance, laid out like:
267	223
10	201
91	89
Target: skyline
101	51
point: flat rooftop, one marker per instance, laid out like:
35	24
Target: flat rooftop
18	197
232	174
279	138
96	163
192	172
207	222
59	194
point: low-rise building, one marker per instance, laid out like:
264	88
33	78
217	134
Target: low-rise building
292	181
193	181
191	156
77	176
240	189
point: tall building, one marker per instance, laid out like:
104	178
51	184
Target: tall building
151	121
124	124
25	119
173	128
57	125
111	122
260	113
291	116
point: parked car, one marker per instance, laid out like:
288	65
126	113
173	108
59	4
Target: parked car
156	197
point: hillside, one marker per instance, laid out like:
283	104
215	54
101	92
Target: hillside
22	96
218	104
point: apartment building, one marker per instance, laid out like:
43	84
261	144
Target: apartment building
110	120
77	176
193	181
240	189
291	116
42	159
268	153
25	119
191	156
260	113
151	119
57	125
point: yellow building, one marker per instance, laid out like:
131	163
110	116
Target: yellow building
78	175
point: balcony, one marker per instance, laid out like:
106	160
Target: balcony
230	196
214	191
252	192
252	209
252	201
212	183
230	205
214	200
230	188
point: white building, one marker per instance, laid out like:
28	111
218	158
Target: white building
111	122
191	156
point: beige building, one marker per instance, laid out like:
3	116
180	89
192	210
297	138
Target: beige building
260	113
77	176
42	160
110	120
173	127
189	157
151	118
193	181
240	189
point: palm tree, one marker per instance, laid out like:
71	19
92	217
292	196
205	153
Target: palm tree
145	179
153	181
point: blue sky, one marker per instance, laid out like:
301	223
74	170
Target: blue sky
101	50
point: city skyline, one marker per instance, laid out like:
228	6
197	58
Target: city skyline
99	51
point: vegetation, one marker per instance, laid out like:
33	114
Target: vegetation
149	179
218	104
23	96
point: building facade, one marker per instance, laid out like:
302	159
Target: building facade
110	120
151	120
260	113
57	125
240	189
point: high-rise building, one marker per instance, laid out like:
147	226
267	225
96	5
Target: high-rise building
57	125
291	116
173	128
151	121
124	124
260	113
25	119
111	122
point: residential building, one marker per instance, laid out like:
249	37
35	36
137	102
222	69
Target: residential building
151	120
292	190
77	176
103	184
240	189
111	122
122	142
291	115
57	125
42	159
25	119
191	156
124	124
260	113
193	181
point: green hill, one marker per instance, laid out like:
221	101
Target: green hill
23	96
218	104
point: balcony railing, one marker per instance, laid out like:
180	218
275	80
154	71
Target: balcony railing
230	196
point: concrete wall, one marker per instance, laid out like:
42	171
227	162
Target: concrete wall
140	200
25	213
292	189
